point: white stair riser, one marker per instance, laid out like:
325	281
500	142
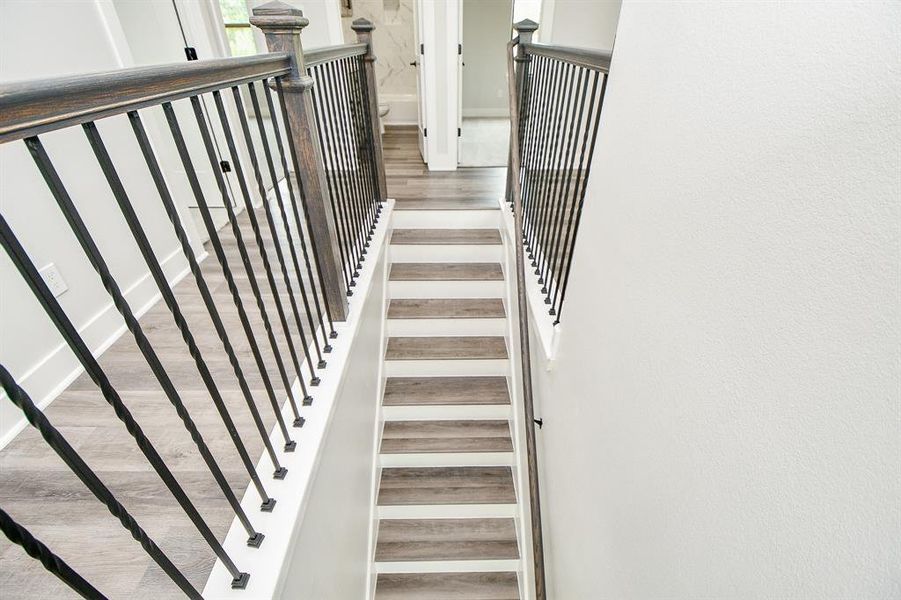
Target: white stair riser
448	459
448	511
435	327
445	253
446	289
445	368
446	219
443	412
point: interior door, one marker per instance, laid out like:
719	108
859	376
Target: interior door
420	81
460	65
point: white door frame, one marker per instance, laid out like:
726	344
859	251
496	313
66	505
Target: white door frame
440	35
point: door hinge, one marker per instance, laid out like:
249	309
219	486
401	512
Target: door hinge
460	49
191	53
422	48
226	166
425	132
459	132
539	422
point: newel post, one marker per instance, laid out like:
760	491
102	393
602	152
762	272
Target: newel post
524	29
282	25
363	28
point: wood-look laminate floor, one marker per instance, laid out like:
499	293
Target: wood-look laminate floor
39	491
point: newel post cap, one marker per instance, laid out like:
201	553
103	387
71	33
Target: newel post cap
525	25
362	25
278	16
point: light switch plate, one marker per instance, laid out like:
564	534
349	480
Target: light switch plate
54	280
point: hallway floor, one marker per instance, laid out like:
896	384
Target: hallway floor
484	142
43	495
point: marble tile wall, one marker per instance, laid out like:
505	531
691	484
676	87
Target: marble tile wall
394	42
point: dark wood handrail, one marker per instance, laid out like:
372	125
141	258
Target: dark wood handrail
29	108
525	351
598	60
317	56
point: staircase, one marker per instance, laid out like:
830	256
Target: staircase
446	501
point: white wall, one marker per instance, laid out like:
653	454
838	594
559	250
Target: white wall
722	420
580	23
331	557
486	31
324	28
77	37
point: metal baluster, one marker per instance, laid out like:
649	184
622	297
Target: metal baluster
316	258
578	218
343	169
163	190
536	117
50	305
134	225
213	234
358	149
569	200
524	113
250	211
89	246
341	106
543	156
300	236
331	169
556	158
550	273
270	221
80	468
362	132
369	174
36	549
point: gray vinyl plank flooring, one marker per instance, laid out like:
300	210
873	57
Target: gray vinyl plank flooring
469	271
447	586
446	539
411	391
446	347
446	485
446	436
446	308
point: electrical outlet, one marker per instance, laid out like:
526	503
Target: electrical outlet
54	280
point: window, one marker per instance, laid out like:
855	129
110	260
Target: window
237	27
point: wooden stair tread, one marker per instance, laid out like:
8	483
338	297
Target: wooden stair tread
490	237
447	586
443	271
446	539
446	204
446	436
403	486
415	391
471	347
446	308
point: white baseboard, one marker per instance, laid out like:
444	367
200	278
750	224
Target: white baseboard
51	376
486	113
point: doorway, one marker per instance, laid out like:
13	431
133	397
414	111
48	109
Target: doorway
484	129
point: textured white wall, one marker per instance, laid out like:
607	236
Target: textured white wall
724	417
580	23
